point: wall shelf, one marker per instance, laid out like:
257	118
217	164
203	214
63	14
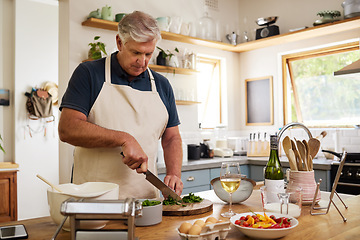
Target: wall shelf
321	30
182	102
174	70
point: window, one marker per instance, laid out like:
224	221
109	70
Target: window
209	92
313	96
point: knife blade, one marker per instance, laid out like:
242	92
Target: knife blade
166	191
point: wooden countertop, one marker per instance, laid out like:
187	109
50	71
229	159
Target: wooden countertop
329	226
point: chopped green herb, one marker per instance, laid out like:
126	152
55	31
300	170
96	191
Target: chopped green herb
191	198
150	203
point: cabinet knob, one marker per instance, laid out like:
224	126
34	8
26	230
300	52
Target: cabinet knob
190	179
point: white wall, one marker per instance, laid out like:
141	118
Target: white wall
36	61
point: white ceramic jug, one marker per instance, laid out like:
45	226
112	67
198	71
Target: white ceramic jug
175	25
185	29
164	23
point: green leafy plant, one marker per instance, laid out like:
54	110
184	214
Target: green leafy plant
96	48
167	53
1	148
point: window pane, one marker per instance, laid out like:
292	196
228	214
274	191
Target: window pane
323	98
208	92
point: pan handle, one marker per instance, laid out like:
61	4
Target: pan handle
334	153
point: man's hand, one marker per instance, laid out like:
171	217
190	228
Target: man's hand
134	156
175	183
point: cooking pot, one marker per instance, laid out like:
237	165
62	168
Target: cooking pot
351	8
350	157
194	152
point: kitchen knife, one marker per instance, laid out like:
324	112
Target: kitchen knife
154	180
166	191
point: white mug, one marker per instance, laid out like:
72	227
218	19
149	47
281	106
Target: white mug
175	24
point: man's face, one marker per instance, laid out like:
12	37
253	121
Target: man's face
133	56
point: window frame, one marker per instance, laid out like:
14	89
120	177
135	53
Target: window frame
288	58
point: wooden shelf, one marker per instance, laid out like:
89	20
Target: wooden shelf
167	69
182	102
321	30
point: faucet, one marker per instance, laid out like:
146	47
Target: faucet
292	124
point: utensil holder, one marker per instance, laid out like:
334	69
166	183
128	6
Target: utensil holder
342	161
305	180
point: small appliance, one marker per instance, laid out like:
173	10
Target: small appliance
267	31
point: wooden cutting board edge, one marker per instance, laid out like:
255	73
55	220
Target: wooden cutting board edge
195	208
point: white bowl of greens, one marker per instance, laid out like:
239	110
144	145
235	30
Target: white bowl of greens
151	213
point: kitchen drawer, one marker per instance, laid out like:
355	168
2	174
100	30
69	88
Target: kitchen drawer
195	178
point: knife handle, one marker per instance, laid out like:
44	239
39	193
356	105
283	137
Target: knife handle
122	154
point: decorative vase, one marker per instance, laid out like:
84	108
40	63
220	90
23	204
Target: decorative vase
106	13
305	180
160	60
172	62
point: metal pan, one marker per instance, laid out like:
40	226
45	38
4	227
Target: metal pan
351	157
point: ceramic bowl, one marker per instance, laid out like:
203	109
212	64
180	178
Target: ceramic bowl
151	215
89	190
241	194
259	233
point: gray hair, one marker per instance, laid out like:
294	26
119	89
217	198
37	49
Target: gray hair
139	26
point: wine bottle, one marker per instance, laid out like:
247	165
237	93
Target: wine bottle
274	175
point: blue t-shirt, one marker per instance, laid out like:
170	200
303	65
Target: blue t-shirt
87	80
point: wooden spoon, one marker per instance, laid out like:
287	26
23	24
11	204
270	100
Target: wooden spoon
297	155
292	160
302	152
307	154
286	145
314	146
49	183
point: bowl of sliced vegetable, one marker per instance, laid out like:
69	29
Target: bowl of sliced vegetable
261	226
151	213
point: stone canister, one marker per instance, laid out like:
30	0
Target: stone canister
305	180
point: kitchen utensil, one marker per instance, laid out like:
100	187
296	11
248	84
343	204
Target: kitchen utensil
49	183
241	194
164	23
350	157
297	155
232	38
266	21
307	154
185	209
302	153
314	146
292	160
322	135
264	233
166	191
175	25
351	8
286	144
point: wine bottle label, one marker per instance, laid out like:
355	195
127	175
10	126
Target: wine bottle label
273	187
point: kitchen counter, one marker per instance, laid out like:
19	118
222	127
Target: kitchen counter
204	163
329	226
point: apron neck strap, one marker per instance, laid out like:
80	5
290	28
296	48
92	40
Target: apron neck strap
152	80
108	69
108	74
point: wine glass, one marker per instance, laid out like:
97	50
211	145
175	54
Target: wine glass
230	178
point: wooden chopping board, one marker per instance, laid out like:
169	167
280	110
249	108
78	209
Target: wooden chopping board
190	208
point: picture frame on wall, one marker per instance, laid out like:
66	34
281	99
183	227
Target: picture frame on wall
259	99
4	97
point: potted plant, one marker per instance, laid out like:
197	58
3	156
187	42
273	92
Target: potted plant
1	147
167	58
96	49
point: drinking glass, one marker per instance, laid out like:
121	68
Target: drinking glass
230	178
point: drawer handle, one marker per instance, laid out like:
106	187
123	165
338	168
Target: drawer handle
190	179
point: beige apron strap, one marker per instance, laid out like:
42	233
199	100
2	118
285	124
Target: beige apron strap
108	69
152	80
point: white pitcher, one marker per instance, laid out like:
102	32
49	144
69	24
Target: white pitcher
175	25
164	23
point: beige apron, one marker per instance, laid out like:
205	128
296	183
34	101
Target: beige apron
139	113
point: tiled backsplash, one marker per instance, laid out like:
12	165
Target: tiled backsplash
337	140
